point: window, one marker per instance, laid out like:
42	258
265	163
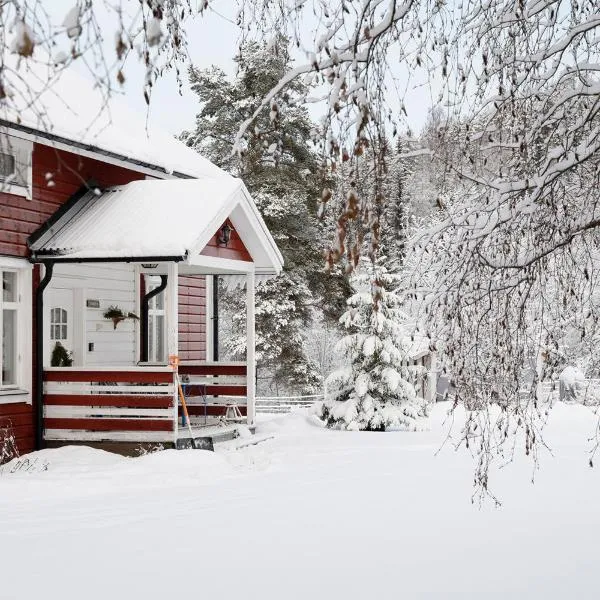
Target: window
58	324
157	351
15	165
15	330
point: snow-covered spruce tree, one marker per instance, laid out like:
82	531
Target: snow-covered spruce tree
374	391
281	170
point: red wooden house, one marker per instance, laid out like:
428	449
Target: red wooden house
119	221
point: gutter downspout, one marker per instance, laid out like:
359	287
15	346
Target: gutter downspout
39	354
144	317
215	315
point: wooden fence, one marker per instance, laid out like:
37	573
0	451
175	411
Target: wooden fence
284	404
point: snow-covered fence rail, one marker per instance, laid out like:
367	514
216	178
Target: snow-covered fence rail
285	404
587	391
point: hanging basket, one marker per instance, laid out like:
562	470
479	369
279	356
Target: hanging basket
116	315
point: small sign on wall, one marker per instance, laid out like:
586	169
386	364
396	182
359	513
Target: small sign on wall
92	303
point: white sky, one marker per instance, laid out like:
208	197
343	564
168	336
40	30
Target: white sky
212	39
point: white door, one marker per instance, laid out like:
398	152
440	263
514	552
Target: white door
58	322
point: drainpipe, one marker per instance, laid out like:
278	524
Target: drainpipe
144	317
39	354
215	323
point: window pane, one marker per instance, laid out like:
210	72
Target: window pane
63	316
151	343
160	338
54	315
160	301
7	165
9	347
9	286
64	332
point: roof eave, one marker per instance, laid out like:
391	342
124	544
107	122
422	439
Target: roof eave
36	135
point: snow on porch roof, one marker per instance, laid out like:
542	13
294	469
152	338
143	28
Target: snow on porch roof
170	219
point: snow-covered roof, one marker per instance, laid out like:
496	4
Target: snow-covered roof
72	111
170	219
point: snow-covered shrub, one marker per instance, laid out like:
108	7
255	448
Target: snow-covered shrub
374	390
8	444
572	382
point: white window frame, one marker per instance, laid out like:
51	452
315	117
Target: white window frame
63	322
22	151
153	312
21	391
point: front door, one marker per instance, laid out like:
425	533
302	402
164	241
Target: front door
58	325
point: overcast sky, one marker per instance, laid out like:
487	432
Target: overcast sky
212	39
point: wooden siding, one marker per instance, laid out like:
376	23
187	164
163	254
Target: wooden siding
192	317
19	217
18	419
235	249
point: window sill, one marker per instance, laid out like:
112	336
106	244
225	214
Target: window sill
15	189
15	396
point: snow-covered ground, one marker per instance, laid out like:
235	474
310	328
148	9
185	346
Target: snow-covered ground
309	514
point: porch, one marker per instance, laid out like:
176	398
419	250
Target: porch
140	405
134	378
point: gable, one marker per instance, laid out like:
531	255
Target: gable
235	249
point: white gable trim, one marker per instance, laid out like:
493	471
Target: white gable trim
256	236
217	265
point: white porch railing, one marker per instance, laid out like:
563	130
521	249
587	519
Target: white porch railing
210	388
138	403
109	404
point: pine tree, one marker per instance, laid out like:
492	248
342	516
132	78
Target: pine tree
374	392
281	170
398	198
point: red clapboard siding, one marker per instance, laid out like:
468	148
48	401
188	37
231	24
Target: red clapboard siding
113	400
234	250
192	317
110	424
18	418
20	217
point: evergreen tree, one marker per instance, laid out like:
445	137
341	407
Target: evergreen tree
281	170
398	198
374	392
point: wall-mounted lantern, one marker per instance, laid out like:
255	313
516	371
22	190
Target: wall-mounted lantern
224	235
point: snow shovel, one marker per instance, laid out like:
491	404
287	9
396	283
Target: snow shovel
185	413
